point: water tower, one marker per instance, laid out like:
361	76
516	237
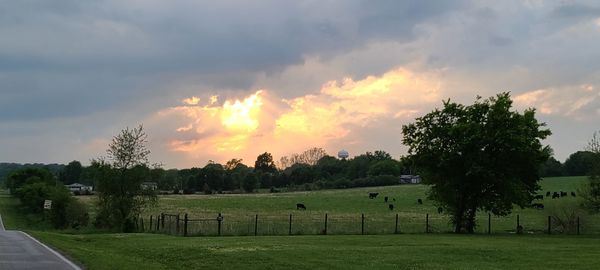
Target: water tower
343	154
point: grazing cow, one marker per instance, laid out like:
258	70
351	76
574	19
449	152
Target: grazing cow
537	206
440	210
555	195
391	207
563	194
548	194
300	206
385	198
538	197
573	194
373	195
419	201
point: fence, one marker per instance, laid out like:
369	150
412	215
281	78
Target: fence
338	224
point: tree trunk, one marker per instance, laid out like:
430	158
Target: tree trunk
470	226
458	220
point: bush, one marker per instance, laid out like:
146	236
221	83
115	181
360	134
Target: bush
61	199
249	183
77	215
564	217
32	196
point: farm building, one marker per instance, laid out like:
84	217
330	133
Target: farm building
410	179
79	188
149	186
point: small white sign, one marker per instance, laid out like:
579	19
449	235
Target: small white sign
47	204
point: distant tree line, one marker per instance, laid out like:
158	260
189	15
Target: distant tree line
309	170
291	171
579	163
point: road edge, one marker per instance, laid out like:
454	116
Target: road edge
60	256
1	224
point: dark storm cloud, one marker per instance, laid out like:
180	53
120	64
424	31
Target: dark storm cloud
77	45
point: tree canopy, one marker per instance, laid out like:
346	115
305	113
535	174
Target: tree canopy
482	156
121	196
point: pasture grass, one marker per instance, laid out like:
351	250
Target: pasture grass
345	208
152	251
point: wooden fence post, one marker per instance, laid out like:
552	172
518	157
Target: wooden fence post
290	229
362	224
256	225
549	224
162	221
325	231
396	228
151	228
142	223
427	223
489	223
185	225
177	224
219	220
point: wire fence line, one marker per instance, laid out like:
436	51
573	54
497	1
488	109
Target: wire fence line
359	224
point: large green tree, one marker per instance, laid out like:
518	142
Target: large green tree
71	173
26	176
264	163
483	156
580	163
121	197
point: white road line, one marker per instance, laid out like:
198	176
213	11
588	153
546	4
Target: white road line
54	252
1	224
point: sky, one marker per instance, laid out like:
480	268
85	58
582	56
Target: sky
216	80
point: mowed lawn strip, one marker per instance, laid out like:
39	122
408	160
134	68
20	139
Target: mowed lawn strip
150	251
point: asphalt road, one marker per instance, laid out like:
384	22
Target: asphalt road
18	250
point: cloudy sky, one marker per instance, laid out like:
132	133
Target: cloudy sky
215	80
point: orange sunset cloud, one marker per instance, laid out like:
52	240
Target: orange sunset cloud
246	127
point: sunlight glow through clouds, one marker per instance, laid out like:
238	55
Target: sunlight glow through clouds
246	127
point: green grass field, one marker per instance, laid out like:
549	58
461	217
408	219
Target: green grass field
345	207
390	251
150	251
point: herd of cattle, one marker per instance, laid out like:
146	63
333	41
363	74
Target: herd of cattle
386	199
555	195
539	206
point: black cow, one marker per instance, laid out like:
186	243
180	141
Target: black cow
300	206
555	195
548	194
537	206
573	194
440	210
391	207
385	198
373	195
419	201
538	197
563	194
